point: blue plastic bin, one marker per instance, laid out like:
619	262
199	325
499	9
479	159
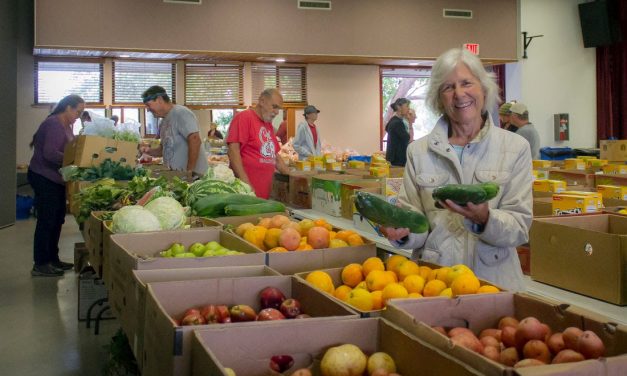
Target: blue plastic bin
556	154
23	206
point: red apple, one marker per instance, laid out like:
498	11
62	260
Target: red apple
271	297
191	311
193	318
269	314
242	312
224	316
290	308
210	314
303	316
281	363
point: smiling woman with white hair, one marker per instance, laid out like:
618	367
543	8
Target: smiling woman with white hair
466	148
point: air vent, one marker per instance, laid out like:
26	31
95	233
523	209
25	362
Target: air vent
457	13
314	4
195	2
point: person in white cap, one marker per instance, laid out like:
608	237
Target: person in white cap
307	139
520	119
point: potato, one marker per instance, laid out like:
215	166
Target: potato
508	334
490	341
509	357
507	321
455	331
492	353
571	337
469	341
528	363
536	349
529	328
590	345
556	343
496	333
567	356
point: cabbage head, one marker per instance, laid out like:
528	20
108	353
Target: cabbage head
134	218
168	211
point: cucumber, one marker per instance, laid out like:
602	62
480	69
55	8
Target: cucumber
385	214
213	205
461	194
265	207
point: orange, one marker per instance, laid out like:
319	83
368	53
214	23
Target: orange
394	291
488	289
323	223
332	235
354	240
465	284
433	288
305	225
424	272
393	263
265	222
321	280
391	276
343	234
372	263
241	229
337	243
414	283
407	268
278	249
352	275
360	299
271	239
377	299
342	292
414	295
304	247
432	275
377	280
256	235
303	240
456	271
442	274
447	292
362	285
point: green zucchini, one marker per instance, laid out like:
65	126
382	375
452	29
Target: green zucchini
265	207
461	194
213	205
385	214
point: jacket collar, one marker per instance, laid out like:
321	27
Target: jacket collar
438	138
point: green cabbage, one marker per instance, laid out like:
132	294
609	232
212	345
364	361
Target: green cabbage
134	218
168	211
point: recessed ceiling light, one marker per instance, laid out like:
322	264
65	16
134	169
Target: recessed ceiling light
280	60
123	56
414	64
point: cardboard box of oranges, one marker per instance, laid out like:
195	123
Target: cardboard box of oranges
367	287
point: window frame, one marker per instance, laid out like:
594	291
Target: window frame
217	106
172	95
277	73
38	59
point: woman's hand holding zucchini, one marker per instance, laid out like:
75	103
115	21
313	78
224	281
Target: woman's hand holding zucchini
395	222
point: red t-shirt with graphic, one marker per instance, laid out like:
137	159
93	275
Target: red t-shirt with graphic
258	148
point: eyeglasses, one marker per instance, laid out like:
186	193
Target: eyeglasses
153	97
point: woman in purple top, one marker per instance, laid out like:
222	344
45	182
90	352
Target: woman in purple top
43	175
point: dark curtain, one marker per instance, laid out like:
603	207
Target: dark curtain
499	71
612	84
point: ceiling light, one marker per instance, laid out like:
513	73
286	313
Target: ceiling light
414	64
124	56
280	60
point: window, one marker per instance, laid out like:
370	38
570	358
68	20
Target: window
55	79
290	80
132	78
411	84
209	85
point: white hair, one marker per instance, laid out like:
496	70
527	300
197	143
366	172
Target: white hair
445	64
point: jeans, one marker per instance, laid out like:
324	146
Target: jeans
50	207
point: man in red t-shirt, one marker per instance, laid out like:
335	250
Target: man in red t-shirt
253	148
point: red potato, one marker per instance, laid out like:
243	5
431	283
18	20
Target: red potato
567	356
529	328
496	333
556	343
468	341
509	357
507	321
547	330
508	336
536	349
455	331
492	353
571	337
590	345
302	372
490	341
528	363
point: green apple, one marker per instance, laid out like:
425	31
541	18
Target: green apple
209	253
167	253
185	255
230	253
221	251
197	249
177	248
213	245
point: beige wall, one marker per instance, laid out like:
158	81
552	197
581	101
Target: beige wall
348	99
391	28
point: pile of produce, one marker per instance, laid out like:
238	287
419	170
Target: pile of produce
233	204
107	169
385	214
219	179
211	249
528	343
462	194
370	285
161	213
280	234
273	303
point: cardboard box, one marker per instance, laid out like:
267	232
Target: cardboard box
333	166
357	164
134	302
89	151
81	257
574	164
91	290
303	165
540	174
549	186
598	198
542	206
573	177
347	192
594	163
613	150
391	188
539	163
280	187
72	189
603	179
215	349
93	233
564	204
138	252
326	190
478	312
379	172
167	348
615	169
614	192
300	189
594	246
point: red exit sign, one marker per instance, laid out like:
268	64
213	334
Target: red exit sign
472	47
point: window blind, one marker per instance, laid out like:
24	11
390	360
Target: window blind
214	84
290	80
132	78
57	79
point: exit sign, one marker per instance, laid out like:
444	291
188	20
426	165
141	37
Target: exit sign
472	47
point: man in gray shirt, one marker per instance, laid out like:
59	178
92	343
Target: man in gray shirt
520	119
181	146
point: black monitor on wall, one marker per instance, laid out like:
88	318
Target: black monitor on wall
599	23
